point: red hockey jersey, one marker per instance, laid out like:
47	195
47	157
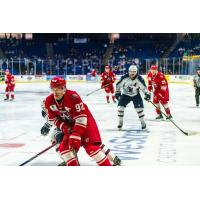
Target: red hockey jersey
107	78
73	107
10	80
158	84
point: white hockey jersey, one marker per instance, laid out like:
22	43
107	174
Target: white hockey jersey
131	87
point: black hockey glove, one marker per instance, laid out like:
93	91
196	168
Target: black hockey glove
59	137
147	97
44	114
118	95
45	129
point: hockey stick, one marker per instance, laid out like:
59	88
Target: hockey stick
185	133
40	153
98	89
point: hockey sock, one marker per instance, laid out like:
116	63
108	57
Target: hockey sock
167	110
107	97
12	95
158	109
98	155
140	114
7	95
121	113
113	97
111	156
69	157
72	162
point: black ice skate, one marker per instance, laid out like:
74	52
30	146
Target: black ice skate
62	164
12	99
197	105
120	125
159	117
6	99
169	117
114	101
108	101
117	161
144	125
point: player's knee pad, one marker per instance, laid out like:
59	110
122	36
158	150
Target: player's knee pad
96	153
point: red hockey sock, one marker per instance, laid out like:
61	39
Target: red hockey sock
113	97
7	96
98	155
167	110
104	162
12	96
72	162
158	111
107	97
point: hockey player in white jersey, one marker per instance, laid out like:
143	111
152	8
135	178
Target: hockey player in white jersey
127	90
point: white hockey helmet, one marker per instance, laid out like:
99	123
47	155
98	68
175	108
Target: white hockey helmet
133	68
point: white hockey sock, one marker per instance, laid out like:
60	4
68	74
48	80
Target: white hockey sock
140	114
111	156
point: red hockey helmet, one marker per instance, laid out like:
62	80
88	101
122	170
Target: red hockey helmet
57	82
154	67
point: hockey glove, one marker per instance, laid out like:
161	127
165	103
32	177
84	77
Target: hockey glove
44	114
58	137
118	95
45	129
147	97
74	142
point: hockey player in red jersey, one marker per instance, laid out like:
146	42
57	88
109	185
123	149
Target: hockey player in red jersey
157	83
10	82
107	80
70	122
63	104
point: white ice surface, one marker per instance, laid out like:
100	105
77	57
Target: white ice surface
163	144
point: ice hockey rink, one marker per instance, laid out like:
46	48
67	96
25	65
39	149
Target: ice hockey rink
161	144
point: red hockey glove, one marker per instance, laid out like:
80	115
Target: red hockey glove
74	142
65	129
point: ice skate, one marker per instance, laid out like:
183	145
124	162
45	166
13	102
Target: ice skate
117	161
120	125
169	117
159	117
144	126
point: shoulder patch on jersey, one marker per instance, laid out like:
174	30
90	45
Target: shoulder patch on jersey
53	108
74	96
